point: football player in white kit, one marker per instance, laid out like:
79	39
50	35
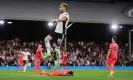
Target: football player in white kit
59	33
25	58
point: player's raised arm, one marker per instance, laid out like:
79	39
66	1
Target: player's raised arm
22	52
64	18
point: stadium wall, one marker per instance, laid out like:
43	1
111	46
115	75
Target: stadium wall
47	10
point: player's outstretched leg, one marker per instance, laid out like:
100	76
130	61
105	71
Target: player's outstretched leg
58	55
45	73
48	47
56	66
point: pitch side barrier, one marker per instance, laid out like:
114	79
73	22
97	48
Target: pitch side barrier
71	67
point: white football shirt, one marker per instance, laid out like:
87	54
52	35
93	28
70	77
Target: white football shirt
26	54
60	27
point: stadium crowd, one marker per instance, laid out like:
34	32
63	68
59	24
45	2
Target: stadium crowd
79	53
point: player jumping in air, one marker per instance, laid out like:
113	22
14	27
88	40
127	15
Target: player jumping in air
112	56
59	33
58	73
38	58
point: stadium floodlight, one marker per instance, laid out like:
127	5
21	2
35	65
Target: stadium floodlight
114	27
131	29
50	24
2	22
121	27
9	22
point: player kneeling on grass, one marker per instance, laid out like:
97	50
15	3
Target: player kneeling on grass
58	73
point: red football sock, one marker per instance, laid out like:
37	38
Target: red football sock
38	67
64	67
112	68
35	67
109	68
19	68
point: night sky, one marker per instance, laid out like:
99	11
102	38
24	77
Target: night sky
37	30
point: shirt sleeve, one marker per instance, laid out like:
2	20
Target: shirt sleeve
23	53
110	46
66	15
29	53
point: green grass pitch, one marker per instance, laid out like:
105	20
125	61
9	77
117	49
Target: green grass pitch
79	75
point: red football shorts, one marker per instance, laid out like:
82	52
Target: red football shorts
37	62
111	61
63	63
21	62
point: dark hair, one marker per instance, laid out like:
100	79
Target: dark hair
114	38
64	4
71	73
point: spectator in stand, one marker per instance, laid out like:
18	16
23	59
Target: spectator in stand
79	53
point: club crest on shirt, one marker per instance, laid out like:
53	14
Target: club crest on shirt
66	14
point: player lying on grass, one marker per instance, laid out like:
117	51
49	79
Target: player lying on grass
58	73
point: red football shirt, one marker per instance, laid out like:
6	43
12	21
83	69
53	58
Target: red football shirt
114	50
38	54
64	56
21	58
59	73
